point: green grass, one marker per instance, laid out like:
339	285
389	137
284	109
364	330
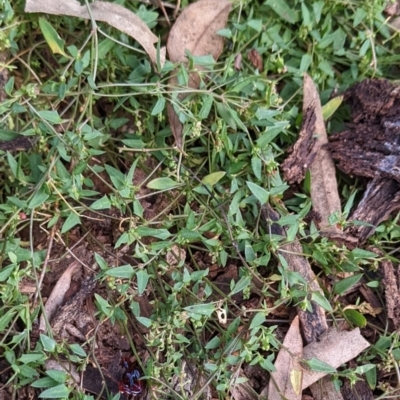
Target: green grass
98	120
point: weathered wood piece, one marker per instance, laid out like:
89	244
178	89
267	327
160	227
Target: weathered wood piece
301	153
381	198
370	148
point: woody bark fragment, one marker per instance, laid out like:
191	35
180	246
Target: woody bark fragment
369	148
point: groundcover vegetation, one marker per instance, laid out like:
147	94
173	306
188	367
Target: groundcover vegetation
190	285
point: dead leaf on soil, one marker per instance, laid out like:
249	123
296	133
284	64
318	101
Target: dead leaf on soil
286	381
334	348
256	59
57	294
195	30
113	14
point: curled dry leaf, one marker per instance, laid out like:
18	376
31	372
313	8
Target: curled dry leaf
256	59
113	14
195	30
286	381
56	297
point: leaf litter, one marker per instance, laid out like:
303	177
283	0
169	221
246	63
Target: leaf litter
113	14
296	378
324	345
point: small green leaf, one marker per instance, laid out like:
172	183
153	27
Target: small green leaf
261	194
202	309
371	377
101	262
122	272
6	272
213	178
77	349
256	164
158	233
243	283
38	199
45	382
206	107
56	392
320	299
346	283
255	24
58	376
101	204
144	321
72	220
52	38
162	184
331	106
213	343
320	366
355	318
159	106
50	116
142	280
281	8
48	343
257	320
31	358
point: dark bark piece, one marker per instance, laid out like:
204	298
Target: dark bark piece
313	323
391	282
373	299
301	153
360	390
370	148
69	311
380	199
372	99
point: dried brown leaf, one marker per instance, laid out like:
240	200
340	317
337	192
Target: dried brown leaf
324	192
286	381
238	62
195	30
113	14
334	348
56	297
256	59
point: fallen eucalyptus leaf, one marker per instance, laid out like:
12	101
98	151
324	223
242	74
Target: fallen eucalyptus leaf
196	30
286	381
113	14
